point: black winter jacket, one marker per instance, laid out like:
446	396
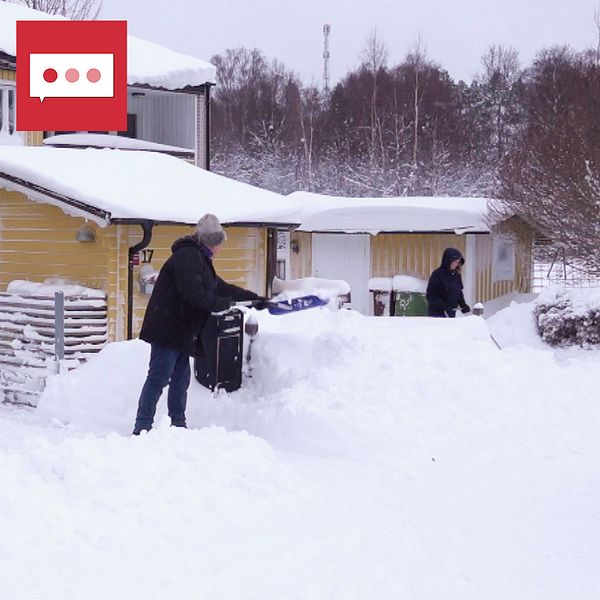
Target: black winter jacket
445	287
186	291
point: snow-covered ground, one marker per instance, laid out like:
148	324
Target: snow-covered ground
367	458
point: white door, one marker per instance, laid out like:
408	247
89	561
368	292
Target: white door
348	257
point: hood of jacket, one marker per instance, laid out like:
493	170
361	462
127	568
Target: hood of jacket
449	255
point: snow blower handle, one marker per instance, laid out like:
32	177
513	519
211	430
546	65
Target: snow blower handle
282	307
258	303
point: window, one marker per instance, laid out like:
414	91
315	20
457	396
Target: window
11	111
7	109
280	269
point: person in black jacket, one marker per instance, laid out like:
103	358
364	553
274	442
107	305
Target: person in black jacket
187	290
445	287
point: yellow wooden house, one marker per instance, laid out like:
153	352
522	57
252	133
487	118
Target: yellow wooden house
71	213
96	217
356	239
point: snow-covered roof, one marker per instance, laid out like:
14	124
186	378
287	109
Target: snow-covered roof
103	140
406	214
147	63
108	185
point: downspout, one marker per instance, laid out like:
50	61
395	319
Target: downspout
207	117
147	229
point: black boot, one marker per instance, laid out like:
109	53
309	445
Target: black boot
138	431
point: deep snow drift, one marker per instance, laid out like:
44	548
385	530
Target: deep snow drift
379	458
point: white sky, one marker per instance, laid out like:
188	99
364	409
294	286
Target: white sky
455	34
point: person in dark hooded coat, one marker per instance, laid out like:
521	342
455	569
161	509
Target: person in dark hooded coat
445	287
187	290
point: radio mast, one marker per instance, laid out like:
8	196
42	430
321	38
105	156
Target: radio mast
326	30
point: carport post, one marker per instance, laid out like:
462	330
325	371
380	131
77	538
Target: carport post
469	275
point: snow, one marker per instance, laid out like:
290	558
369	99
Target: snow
286	289
50	287
141	185
147	63
383	284
398	283
407	283
151	64
11	139
101	140
381	458
514	326
580	300
374	215
9	15
81	175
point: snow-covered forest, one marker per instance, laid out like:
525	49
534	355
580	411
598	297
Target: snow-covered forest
524	133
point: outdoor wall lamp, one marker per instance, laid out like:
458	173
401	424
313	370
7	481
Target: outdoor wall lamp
86	234
295	246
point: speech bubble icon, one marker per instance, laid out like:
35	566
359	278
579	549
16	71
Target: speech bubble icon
71	75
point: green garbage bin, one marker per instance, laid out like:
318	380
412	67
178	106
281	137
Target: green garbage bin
410	304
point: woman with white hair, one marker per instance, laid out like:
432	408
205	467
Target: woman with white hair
187	290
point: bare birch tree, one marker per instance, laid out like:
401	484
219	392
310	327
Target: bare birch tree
498	83
374	59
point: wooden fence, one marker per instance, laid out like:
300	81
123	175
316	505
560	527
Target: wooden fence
40	335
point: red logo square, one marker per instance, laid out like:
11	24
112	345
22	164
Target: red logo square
71	75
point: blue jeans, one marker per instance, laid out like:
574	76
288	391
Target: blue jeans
167	367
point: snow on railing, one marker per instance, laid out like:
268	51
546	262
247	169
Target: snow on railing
37	340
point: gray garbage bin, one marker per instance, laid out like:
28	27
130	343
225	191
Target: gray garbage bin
381	288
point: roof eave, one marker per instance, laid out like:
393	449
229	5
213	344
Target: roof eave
396	231
175	153
256	224
33	189
39	193
188	89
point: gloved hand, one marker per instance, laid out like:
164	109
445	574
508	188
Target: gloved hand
261	303
465	308
450	310
221	304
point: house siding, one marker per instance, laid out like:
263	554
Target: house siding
200	137
410	254
301	262
419	254
486	288
164	117
37	242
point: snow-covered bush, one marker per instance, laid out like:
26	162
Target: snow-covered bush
569	317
